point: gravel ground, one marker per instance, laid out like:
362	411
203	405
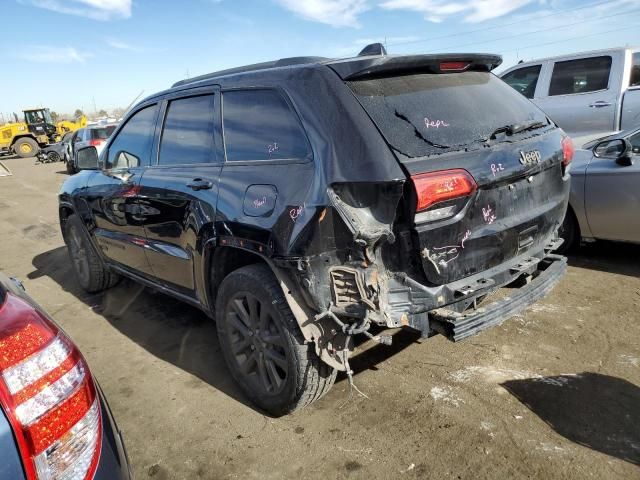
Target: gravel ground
552	393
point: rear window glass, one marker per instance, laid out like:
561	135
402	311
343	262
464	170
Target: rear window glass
426	114
580	76
260	125
102	133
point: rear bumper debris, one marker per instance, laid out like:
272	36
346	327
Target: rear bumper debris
458	326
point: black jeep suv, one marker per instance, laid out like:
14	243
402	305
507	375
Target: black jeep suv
302	201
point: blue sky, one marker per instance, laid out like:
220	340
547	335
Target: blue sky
65	54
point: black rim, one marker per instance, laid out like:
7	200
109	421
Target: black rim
78	255
257	343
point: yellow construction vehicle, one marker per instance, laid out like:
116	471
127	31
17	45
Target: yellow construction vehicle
37	130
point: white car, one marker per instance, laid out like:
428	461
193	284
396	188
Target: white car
93	136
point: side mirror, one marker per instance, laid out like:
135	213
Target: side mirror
618	149
87	158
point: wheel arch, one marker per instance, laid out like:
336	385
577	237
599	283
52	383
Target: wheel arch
23	135
222	260
65	210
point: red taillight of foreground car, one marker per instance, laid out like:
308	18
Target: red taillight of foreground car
436	187
568	150
96	142
48	395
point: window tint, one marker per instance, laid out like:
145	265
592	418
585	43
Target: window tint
131	147
524	79
635	143
260	125
187	136
580	76
102	133
427	114
635	70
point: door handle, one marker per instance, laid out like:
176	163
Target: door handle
599	104
200	184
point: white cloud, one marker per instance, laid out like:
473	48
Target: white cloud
95	9
120	45
472	10
337	13
49	54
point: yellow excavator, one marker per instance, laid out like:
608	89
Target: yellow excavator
36	131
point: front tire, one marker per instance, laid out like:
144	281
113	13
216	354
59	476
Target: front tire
263	345
89	268
26	147
70	169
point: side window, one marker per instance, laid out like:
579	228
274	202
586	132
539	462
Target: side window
187	136
635	71
260	125
635	143
524	79
132	146
580	76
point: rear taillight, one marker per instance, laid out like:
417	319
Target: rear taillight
48	395
568	150
95	142
439	194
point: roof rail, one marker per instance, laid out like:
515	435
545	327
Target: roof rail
283	62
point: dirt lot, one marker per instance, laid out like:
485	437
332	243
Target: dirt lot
552	393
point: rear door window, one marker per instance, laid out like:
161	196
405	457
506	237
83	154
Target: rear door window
132	146
426	114
635	70
524	80
580	76
188	133
260	125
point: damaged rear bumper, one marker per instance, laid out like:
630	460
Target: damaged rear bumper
458	326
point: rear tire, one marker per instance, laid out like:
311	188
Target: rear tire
263	345
570	232
87	265
26	147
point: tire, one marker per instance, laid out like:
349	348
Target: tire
88	267
26	147
70	169
53	157
278	371
570	232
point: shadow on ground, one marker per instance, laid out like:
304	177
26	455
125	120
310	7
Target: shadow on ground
167	328
172	330
597	411
612	257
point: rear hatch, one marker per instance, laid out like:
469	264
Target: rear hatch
502	189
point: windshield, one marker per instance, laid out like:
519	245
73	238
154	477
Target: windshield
38	116
426	114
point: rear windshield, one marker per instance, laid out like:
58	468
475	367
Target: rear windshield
426	114
102	133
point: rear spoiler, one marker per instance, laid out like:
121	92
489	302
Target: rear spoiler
378	66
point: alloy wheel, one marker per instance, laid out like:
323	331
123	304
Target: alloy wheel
257	343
